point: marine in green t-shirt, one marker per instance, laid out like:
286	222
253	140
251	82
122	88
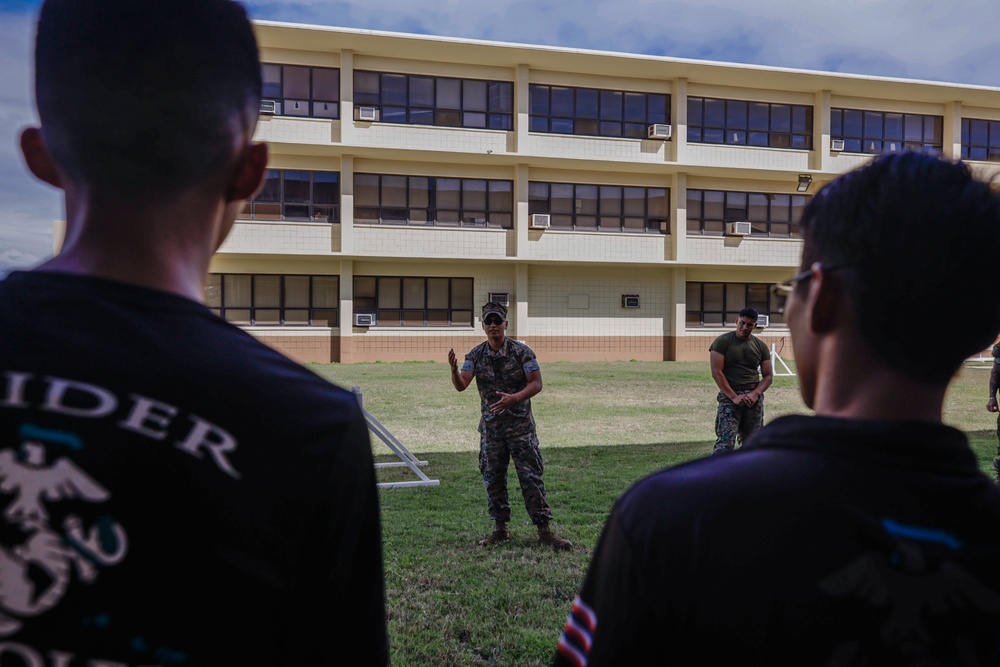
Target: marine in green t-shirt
735	358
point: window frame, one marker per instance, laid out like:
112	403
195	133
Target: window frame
545	118
737	129
602	209
408	212
990	147
728	294
871	137
382	303
311	100
255	207
698	224
497	109
218	282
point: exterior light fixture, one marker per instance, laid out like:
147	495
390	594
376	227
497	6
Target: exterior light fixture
805	180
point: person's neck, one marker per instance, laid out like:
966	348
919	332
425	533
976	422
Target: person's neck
854	384
161	246
495	345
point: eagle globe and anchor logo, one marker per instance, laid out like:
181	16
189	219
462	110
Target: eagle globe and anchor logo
37	477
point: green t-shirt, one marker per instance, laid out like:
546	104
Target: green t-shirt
742	357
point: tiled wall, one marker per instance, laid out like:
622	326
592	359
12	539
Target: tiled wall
582	303
597	246
593	148
743	250
297	130
320	346
276	238
747	158
413	241
598	348
429	138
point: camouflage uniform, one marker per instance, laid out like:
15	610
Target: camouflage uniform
510	434
732	420
996	459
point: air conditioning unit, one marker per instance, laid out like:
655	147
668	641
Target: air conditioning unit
269	107
738	229
763	321
630	300
503	298
836	145
659	131
540	220
364	319
366	113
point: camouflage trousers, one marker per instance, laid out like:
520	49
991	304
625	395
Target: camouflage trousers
495	453
996	459
736	420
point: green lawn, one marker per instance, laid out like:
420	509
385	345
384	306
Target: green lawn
601	426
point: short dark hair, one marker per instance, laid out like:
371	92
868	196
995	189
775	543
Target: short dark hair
750	313
916	233
144	95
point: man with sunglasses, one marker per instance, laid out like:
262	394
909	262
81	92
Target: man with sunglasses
865	534
507	376
735	358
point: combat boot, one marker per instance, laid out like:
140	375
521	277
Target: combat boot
500	534
546	536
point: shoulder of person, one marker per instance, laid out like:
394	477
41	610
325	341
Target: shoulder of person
721	342
520	347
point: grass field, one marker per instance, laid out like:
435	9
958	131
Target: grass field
601	427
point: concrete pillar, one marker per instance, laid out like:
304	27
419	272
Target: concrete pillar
521	216
952	131
347	204
679	119
678	216
819	159
346	311
521	295
346	96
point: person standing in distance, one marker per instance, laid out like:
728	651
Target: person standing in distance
865	534
735	358
991	404
507	376
174	492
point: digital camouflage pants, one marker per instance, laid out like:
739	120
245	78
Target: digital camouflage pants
732	420
996	459
495	454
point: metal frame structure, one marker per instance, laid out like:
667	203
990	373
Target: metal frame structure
406	457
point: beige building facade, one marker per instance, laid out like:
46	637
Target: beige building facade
624	206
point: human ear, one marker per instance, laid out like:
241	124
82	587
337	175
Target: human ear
37	157
824	300
249	173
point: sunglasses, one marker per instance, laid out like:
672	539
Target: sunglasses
492	319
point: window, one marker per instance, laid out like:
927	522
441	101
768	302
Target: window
775	215
415	302
296	195
274	300
719	304
602	208
302	91
980	139
594	112
434	100
741	123
886	132
425	200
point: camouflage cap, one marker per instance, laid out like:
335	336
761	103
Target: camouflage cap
495	308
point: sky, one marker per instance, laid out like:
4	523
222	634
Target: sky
956	41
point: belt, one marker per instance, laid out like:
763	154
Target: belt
745	387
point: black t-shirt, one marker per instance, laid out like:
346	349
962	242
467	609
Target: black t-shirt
822	542
173	492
